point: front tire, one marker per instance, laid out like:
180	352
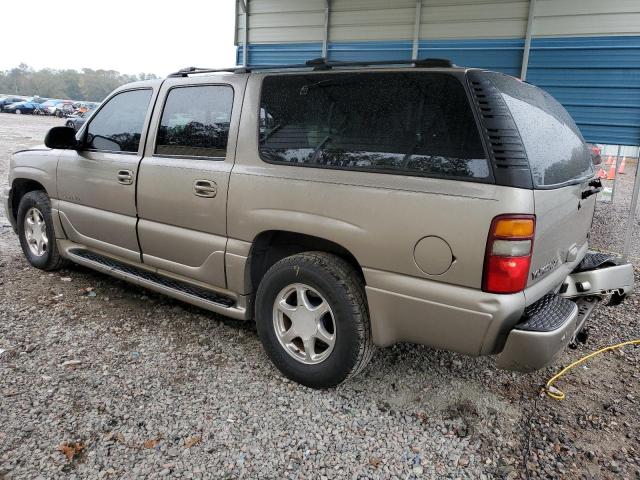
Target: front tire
35	230
18	111
312	319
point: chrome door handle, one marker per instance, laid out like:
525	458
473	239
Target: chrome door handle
205	188
125	177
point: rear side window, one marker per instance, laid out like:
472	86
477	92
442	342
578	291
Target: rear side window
555	147
117	127
411	123
195	121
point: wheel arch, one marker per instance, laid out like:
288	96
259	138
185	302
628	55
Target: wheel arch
271	246
19	188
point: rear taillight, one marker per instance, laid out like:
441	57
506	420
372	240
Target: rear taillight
508	255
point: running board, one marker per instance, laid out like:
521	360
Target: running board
208	299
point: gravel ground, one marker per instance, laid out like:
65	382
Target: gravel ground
100	379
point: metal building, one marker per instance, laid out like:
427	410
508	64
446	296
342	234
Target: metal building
584	52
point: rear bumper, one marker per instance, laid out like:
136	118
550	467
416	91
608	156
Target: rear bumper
548	326
451	317
473	322
552	322
613	279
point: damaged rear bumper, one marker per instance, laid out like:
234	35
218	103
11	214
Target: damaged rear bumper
553	322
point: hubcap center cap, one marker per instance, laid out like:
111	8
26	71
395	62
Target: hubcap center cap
304	322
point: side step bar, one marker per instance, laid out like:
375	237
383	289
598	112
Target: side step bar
180	290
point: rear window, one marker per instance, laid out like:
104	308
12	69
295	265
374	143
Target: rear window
556	150
408	123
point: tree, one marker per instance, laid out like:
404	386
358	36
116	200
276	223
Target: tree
88	84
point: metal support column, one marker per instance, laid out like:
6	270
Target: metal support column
416	30
527	40
245	42
632	214
325	38
615	174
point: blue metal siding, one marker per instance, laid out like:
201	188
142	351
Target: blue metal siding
368	51
500	55
280	53
596	78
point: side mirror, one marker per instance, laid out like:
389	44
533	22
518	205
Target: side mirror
61	137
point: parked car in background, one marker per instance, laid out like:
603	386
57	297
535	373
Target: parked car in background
52	106
76	120
81	107
6	101
46	105
64	110
596	153
24	107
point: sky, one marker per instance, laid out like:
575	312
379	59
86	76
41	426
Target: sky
130	36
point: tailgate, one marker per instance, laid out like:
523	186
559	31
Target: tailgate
563	222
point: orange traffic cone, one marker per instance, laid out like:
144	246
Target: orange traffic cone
621	169
612	172
609	160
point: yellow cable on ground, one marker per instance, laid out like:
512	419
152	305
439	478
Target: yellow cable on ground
558	394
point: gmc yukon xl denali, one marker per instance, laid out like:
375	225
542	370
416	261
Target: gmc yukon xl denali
340	206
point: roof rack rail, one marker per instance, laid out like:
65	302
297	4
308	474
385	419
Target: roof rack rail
320	64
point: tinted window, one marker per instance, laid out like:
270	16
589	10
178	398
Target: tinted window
555	148
118	125
195	121
410	122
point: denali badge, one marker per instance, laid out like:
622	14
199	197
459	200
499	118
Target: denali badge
542	271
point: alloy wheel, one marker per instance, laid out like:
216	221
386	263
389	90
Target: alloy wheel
35	231
304	323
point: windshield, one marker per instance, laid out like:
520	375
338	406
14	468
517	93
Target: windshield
556	150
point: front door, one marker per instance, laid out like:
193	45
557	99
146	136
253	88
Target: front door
96	185
183	179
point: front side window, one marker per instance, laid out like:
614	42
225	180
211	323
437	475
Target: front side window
195	122
117	127
413	123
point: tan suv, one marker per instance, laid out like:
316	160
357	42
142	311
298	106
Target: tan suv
340	206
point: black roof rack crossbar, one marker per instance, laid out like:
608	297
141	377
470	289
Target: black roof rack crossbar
319	64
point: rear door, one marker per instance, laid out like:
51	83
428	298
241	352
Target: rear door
96	185
183	180
561	168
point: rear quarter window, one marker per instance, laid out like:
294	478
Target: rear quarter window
411	123
555	148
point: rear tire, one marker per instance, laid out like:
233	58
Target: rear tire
330	282
40	248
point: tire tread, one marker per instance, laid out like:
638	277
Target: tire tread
56	261
349	280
